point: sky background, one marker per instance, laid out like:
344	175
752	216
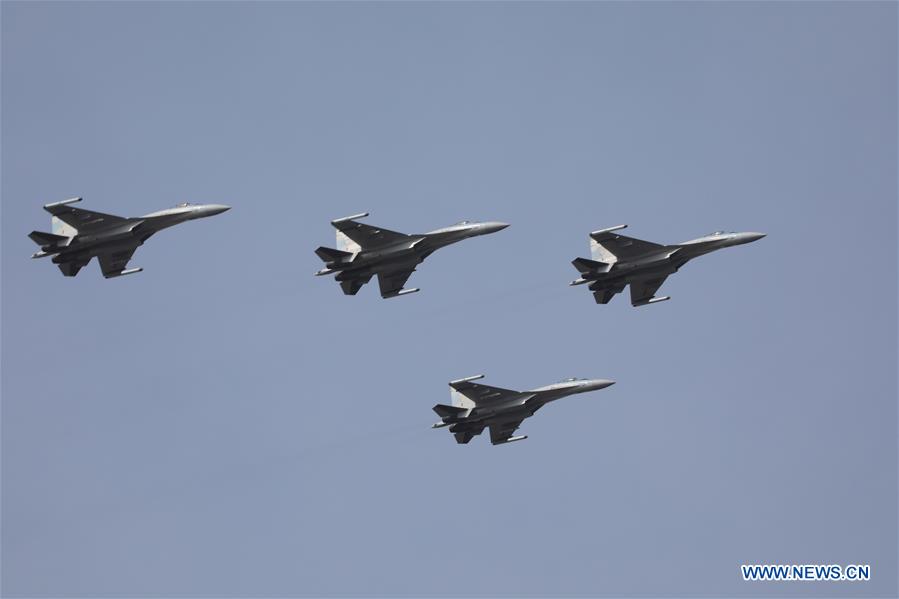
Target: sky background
226	424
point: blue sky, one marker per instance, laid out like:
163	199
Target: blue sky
226	424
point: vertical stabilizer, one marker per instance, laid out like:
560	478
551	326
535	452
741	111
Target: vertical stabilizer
460	400
600	253
60	227
346	244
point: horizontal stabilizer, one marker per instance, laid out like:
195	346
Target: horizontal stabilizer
585	265
445	411
44	239
329	255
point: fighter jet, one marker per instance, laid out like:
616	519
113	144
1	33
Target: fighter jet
365	251
79	235
475	406
619	261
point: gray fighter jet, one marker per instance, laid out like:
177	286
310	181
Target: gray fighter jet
79	235
619	261
475	406
365	251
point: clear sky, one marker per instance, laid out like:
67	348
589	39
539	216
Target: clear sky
226	424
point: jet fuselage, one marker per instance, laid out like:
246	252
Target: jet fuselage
476	407
409	252
125	233
670	258
95	233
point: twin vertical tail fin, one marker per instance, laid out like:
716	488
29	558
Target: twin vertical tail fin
585	265
449	414
62	235
445	411
61	227
49	242
332	258
330	255
589	269
348	249
461	407
45	239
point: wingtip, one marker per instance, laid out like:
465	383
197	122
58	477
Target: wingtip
344	219
62	203
466	379
608	230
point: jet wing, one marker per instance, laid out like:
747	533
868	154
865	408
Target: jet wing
645	290
352	286
481	394
392	282
621	247
501	431
367	236
114	262
604	296
70	268
83	220
468	434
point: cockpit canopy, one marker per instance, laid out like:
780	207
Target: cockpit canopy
182	205
571	379
718	233
464	222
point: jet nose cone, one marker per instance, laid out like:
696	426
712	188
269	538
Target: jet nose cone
741	238
493	227
598	384
213	209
